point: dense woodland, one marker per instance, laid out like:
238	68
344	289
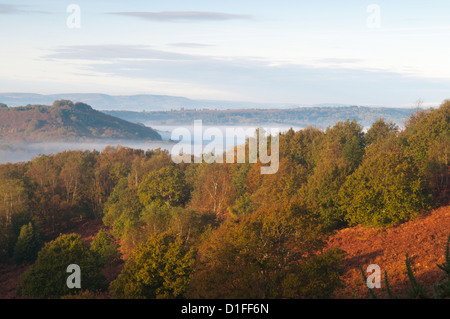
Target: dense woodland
219	230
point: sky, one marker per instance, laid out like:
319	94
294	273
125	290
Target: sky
374	53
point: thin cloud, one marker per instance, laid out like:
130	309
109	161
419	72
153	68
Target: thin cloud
339	61
113	52
18	9
416	29
184	16
8	9
250	78
190	45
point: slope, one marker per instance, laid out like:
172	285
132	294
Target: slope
423	239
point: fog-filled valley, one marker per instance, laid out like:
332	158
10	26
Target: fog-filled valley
23	151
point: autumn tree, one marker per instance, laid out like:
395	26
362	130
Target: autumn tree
259	256
279	189
213	191
183	222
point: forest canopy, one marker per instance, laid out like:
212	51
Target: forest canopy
222	230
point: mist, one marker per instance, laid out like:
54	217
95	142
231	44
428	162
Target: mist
13	152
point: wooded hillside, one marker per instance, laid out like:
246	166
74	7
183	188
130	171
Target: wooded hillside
66	121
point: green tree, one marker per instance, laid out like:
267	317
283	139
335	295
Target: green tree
123	209
160	268
299	146
423	129
380	129
47	277
386	189
105	247
14	209
338	155
427	140
319	277
166	186
28	244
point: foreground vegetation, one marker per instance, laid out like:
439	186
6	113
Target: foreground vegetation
220	230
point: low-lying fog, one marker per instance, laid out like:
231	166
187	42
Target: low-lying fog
22	152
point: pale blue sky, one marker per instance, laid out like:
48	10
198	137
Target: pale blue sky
303	52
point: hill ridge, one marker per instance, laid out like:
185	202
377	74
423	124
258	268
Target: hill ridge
66	121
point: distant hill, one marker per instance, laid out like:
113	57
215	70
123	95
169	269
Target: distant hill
320	117
146	102
139	103
66	121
